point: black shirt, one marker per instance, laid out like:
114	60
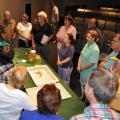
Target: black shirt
38	31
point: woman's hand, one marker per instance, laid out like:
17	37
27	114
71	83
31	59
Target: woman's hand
59	63
82	69
28	37
33	45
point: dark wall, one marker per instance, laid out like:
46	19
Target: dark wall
17	7
90	4
93	3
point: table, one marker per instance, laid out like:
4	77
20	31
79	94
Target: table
69	107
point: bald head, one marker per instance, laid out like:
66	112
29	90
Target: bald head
18	77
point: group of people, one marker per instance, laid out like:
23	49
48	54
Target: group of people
100	88
24	34
90	56
99	84
13	100
38	35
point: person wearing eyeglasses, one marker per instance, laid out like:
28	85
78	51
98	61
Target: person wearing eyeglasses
115	45
92	24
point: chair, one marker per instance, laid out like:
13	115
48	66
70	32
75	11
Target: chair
77	21
86	19
118	27
101	24
110	26
108	35
81	31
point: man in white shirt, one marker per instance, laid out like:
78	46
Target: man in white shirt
55	15
13	100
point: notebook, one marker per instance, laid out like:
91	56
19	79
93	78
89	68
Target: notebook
44	39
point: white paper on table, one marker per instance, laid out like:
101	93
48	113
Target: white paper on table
42	75
44	39
32	92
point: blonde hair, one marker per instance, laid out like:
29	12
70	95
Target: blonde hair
19	75
43	14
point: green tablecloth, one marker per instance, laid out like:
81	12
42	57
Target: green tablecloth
69	107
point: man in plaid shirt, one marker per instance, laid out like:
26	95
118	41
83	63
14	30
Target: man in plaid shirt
6	65
101	87
5	71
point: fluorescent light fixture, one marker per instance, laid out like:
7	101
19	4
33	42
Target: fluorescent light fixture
80	10
83	10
